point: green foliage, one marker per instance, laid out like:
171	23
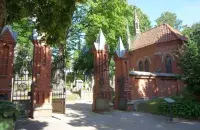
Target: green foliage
191	72
171	19
186	31
53	16
84	62
151	106
112	17
190	60
24	47
193	32
183	107
6	124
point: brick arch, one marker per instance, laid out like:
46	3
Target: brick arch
138	61
167	54
147	58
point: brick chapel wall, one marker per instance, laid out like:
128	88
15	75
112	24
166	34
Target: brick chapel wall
168	49
156	53
141	54
151	87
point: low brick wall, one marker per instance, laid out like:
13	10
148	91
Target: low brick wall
150	85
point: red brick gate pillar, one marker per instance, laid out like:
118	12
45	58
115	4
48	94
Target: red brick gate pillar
7	44
41	87
122	87
101	89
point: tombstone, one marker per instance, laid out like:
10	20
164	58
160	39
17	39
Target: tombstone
7	43
101	90
122	87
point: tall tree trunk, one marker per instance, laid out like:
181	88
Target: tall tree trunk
2	12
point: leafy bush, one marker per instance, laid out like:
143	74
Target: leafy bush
183	107
6	123
189	60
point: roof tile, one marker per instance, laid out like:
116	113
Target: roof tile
162	33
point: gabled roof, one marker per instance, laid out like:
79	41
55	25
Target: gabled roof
161	33
10	30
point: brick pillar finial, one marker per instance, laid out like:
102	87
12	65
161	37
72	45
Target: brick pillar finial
101	89
122	87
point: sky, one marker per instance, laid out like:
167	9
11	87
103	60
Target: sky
186	10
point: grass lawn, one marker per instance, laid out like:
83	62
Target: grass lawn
151	106
72	97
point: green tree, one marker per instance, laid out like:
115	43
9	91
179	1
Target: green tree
190	60
186	31
24	47
193	32
53	16
111	16
171	19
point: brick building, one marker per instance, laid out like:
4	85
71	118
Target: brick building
152	63
152	51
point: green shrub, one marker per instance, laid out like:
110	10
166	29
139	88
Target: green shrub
183	107
6	123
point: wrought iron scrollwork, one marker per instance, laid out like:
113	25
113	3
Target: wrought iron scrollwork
58	83
101	81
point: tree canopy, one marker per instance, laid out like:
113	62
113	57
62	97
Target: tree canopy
24	48
171	19
190	59
53	16
112	17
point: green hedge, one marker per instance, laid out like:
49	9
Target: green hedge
183	107
6	123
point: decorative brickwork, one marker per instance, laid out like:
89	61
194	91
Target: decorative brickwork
7	44
41	89
101	89
122	87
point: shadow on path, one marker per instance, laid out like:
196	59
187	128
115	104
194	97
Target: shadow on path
29	124
81	115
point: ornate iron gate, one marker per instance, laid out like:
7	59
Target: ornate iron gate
21	89
58	84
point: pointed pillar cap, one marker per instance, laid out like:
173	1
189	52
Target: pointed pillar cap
12	32
100	42
120	51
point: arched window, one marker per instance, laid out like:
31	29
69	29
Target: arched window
146	65
168	64
140	66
